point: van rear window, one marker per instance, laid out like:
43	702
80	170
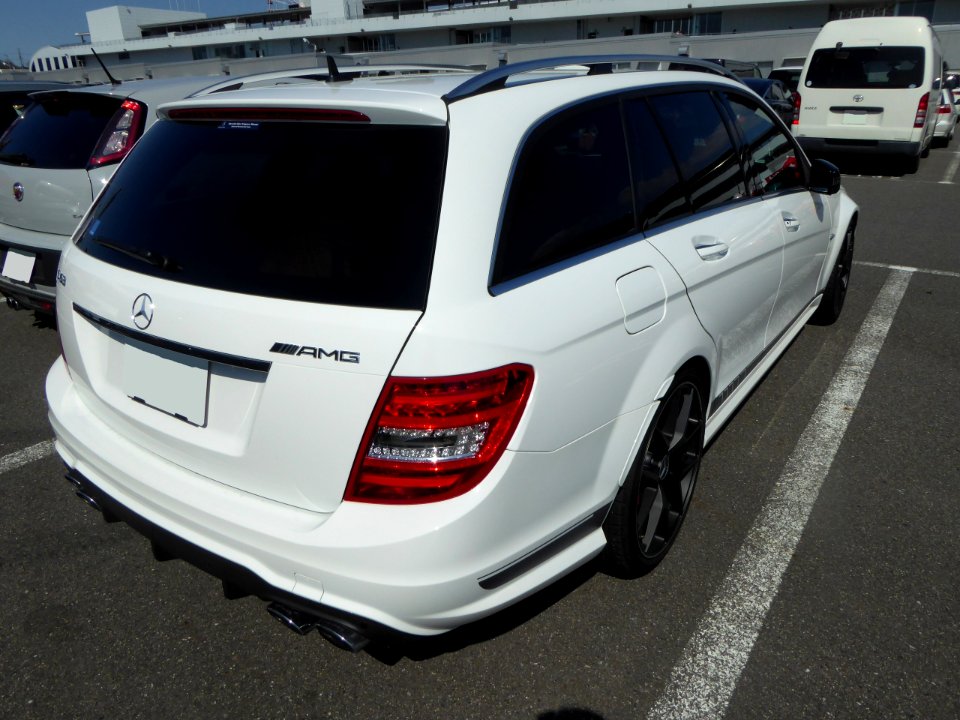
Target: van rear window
866	67
319	212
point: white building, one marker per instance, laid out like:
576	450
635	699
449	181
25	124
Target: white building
145	42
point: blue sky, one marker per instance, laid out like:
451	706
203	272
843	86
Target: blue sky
28	25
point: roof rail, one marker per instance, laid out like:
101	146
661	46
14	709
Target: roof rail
321	74
598	64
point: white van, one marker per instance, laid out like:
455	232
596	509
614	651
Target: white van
868	86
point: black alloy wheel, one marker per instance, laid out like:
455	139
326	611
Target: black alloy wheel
835	293
650	507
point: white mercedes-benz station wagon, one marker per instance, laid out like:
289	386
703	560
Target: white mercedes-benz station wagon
393	353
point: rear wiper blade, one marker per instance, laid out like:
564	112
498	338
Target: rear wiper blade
163	262
17	159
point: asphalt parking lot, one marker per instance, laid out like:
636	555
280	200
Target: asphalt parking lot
817	575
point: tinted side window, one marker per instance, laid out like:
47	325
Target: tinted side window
702	146
58	132
660	195
774	164
570	192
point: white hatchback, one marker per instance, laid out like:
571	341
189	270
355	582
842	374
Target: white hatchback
395	353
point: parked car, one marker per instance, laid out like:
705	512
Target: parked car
54	161
789	75
776	95
947	113
394	353
15	96
868	87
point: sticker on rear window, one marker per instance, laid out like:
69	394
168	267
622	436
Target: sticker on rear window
238	125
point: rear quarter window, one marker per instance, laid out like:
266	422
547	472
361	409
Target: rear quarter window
319	212
570	192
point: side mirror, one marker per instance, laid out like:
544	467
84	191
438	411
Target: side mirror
824	177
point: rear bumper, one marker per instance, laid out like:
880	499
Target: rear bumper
414	570
824	146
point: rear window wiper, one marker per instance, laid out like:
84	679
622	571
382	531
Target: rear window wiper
20	159
164	262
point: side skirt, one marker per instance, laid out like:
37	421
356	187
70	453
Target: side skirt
724	405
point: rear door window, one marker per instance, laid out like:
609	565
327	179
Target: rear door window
888	67
702	147
59	131
321	212
570	192
660	196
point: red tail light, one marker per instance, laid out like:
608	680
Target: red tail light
120	134
431	439
796	108
943	110
921	118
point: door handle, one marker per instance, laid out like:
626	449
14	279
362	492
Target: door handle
790	222
710	248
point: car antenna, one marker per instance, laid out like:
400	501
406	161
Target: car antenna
334	74
111	78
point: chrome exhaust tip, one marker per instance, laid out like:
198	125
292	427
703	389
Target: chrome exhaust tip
13	303
300	622
338	634
89	501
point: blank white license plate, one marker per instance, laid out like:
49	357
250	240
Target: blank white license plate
18	265
854	118
166	380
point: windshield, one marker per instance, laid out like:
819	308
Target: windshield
335	213
866	67
59	131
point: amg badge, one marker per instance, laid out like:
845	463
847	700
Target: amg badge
344	356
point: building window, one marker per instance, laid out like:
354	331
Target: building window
706	23
199	53
679	25
845	12
916	8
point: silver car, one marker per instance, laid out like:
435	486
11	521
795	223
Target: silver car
54	160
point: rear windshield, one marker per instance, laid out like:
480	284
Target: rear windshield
59	131
866	67
333	213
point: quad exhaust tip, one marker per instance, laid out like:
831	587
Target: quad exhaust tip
345	638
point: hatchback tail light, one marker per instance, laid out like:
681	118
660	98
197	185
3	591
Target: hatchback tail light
921	118
943	110
431	439
796	108
119	135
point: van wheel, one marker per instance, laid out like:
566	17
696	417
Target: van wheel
831	304
650	507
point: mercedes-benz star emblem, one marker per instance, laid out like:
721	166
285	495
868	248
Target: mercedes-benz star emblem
18	191
142	311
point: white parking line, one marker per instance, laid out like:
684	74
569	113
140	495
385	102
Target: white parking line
905	268
951	169
27	455
703	682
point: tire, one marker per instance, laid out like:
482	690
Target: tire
649	509
831	304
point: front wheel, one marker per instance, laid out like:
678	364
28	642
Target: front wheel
831	304
650	507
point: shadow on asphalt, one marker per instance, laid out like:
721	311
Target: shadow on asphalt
489	628
872	165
